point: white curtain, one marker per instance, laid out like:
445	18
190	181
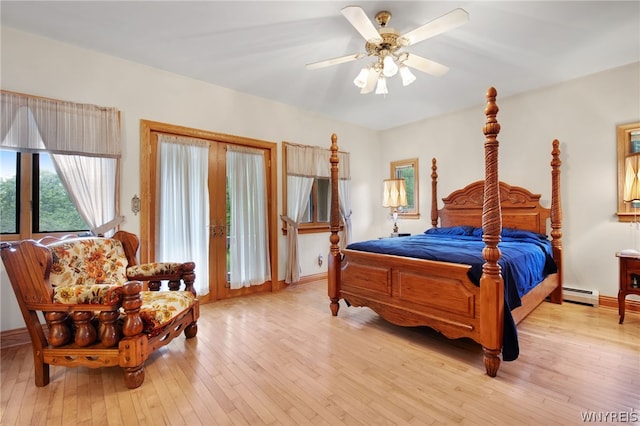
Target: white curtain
344	195
298	190
248	232
183	205
84	142
91	183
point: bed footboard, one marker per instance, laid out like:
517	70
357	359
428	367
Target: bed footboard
413	292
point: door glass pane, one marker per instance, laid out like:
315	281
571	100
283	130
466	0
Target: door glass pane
9	216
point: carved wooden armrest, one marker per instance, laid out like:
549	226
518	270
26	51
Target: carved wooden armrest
154	273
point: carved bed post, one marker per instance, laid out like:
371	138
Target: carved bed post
491	283
334	266
434	193
556	218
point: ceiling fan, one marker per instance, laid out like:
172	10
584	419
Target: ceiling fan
386	46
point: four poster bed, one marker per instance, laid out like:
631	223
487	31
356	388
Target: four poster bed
466	296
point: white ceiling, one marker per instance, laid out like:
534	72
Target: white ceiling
261	47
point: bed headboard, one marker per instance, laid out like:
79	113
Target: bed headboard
520	208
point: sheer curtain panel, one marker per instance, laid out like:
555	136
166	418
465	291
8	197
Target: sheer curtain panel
91	183
248	226
182	233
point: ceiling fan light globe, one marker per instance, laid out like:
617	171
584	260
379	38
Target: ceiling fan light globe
406	75
390	68
361	79
381	88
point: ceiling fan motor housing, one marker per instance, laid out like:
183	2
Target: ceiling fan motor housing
390	42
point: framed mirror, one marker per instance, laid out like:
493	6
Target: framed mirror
408	170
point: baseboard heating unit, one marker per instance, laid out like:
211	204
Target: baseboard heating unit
577	295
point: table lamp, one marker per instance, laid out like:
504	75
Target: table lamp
394	195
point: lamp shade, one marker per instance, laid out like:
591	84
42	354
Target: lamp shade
632	179
394	193
406	75
389	67
381	88
362	78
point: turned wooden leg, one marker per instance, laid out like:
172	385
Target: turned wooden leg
621	300
109	334
334	305
491	358
154	285
41	370
59	333
134	376
191	330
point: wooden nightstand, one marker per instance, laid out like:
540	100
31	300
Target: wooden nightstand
629	279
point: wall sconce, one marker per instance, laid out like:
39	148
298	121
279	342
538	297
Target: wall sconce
135	204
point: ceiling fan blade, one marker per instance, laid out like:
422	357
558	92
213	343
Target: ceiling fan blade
356	16
335	61
372	80
426	65
446	22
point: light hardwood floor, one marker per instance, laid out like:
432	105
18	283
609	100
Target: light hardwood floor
282	358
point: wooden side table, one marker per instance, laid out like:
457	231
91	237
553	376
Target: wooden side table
629	279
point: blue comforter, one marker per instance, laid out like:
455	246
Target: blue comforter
526	260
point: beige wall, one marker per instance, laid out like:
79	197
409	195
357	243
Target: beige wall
42	67
582	114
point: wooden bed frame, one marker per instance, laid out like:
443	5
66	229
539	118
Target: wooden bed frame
415	292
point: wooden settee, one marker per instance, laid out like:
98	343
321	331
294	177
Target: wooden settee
93	296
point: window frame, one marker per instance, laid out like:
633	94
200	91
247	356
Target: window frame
27	181
411	162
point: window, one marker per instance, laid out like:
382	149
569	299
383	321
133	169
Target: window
408	170
306	179
33	200
316	212
83	141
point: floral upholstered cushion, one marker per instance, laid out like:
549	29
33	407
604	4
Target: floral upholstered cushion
103	294
153	269
92	271
88	261
160	307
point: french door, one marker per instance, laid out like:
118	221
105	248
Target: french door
219	226
226	227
